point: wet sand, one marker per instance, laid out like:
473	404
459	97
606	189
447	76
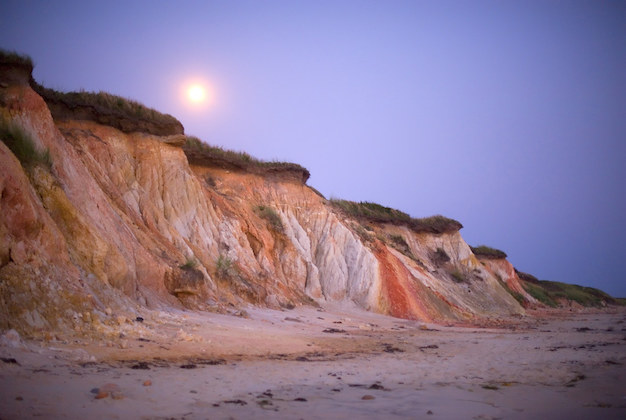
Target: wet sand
310	363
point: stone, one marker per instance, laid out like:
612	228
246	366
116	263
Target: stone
11	338
101	394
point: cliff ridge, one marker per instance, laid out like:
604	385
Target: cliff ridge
128	214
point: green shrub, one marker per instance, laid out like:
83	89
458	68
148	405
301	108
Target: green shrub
271	216
225	268
22	145
189	264
458	276
489	253
376	213
540	294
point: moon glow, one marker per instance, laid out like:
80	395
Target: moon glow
196	94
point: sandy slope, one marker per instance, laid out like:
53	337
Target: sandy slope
282	365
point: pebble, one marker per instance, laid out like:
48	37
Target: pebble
147	383
108	390
368	397
101	394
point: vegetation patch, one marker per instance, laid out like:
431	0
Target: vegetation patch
122	113
586	296
363	233
488	253
518	296
372	212
399	243
539	293
316	192
22	145
550	292
202	154
11	58
439	256
458	276
271	216
189	264
526	276
225	269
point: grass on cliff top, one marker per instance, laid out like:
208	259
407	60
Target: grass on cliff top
550	292
376	213
22	145
201	153
12	58
104	104
488	252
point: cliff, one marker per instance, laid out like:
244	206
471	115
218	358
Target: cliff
118	216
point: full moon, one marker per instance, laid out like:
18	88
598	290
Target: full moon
196	93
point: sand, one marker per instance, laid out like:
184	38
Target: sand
310	363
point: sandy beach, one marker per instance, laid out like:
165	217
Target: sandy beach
331	362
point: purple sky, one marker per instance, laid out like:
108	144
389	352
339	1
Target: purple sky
507	116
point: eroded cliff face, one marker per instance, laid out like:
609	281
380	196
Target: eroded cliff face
122	220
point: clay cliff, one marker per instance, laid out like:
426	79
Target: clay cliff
116	213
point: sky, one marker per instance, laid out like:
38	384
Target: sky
509	116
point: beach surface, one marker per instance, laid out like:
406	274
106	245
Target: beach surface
313	363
